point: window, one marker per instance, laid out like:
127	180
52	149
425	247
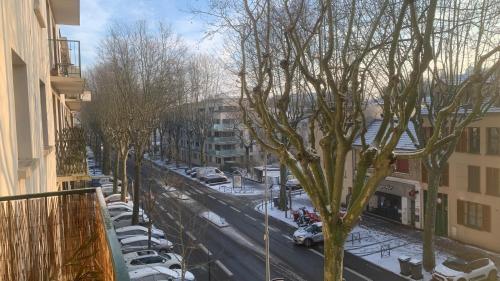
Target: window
493	181
493	139
43	109
22	108
474	215
403	166
474	181
474	140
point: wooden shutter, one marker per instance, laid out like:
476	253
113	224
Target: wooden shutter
486	218
492	181
424	172
445	176
460	212
462	142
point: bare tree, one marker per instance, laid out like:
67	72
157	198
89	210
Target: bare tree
459	88
346	51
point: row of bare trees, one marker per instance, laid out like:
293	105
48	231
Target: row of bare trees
427	62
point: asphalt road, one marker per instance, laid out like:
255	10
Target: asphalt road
237	251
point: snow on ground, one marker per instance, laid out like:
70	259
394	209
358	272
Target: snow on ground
214	218
365	242
226	187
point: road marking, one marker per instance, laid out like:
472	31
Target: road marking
357	274
250	217
222	202
188	233
212	197
287	237
162	208
317	252
187	191
224	268
234	209
170	216
270	227
204	249
195	191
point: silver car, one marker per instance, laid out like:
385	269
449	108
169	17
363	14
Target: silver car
134	230
140	242
309	235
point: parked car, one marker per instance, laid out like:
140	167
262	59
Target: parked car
133	230
140	242
129	203
204	172
215	178
115	210
467	268
159	273
115	198
125	219
138	259
194	172
292	183
309	235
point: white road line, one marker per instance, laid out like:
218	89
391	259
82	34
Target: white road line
224	268
250	217
204	249
212	197
187	191
170	216
357	274
196	191
162	208
188	233
287	237
222	202
234	209
272	228
317	252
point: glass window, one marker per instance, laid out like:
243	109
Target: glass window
473	215
493	141
474	181
474	140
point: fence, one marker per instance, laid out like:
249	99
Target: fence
57	236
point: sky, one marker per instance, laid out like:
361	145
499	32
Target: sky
96	16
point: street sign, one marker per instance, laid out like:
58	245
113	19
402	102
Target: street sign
237	181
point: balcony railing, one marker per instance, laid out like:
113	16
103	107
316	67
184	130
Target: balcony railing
233	140
223	127
65	58
65	235
71	152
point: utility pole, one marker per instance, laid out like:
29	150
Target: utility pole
266	218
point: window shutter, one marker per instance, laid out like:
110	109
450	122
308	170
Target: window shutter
460	212
424	173
486	218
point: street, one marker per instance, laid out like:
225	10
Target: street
236	252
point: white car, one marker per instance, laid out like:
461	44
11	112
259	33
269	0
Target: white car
133	230
125	219
309	235
140	242
159	273
139	259
468	268
115	198
115	210
202	173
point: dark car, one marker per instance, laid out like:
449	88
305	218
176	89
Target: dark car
215	178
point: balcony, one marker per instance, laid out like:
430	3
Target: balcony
224	127
226	153
224	140
65	235
71	155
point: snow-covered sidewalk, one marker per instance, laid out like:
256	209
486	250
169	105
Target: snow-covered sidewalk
374	243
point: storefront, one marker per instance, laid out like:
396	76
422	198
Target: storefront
394	200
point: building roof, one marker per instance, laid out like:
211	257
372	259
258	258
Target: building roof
405	143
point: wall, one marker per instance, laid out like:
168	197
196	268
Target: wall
20	32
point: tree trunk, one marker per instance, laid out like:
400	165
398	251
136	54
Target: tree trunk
334	252
429	258
106	159
123	173
137	186
247	158
203	159
189	154
283	177
116	168
155	145
161	146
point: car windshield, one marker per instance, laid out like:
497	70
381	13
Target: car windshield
312	228
455	264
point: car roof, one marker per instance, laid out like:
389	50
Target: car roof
139	238
471	256
114	206
134	255
123	214
131	227
151	270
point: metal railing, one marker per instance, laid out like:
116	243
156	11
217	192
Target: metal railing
233	139
65	57
71	152
65	235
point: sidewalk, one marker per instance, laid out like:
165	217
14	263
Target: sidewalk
382	242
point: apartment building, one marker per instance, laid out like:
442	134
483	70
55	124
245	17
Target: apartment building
469	195
227	142
41	90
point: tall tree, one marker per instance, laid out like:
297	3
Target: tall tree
459	88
